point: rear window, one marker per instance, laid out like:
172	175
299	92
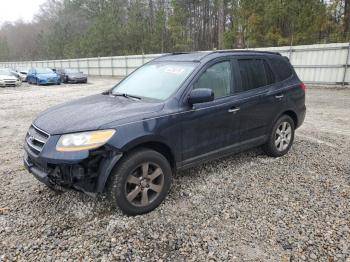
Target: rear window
282	68
255	73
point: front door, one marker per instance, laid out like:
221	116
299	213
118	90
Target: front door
213	127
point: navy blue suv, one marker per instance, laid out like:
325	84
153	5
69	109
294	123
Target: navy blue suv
172	113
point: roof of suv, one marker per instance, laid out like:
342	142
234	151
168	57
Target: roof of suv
201	55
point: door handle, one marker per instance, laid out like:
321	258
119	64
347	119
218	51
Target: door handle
279	97
234	110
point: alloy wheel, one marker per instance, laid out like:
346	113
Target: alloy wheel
144	184
283	136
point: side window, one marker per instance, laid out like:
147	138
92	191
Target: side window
218	78
269	74
255	73
282	68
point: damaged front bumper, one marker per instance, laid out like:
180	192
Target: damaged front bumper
88	173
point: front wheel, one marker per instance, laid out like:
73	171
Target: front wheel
281	137
140	182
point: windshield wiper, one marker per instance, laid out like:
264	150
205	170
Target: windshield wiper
125	95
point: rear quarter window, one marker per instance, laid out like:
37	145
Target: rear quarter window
282	68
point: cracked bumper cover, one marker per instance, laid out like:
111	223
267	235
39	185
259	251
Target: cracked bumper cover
68	171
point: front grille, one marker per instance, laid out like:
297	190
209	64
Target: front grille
10	82
36	139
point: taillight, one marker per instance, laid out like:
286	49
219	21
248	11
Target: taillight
302	87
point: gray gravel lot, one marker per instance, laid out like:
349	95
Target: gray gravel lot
245	207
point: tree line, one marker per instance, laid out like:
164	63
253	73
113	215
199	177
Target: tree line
90	28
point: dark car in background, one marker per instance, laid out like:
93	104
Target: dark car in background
43	76
69	75
172	113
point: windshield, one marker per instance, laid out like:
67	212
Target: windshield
156	80
5	72
44	71
72	71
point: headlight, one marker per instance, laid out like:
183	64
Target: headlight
83	141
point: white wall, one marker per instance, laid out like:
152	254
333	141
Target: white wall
317	64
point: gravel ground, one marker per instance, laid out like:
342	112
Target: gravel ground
247	207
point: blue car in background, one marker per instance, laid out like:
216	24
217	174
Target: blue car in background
43	76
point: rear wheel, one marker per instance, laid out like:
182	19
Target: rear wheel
281	137
140	182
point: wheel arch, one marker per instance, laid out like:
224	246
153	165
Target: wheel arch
109	164
155	145
292	115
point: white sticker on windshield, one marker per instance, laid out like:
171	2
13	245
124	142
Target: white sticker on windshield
174	70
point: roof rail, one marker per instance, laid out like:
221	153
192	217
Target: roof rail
170	54
179	53
246	50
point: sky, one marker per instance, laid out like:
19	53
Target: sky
12	10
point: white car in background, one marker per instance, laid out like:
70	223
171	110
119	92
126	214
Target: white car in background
23	74
8	79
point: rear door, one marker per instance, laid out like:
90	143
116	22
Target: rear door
259	99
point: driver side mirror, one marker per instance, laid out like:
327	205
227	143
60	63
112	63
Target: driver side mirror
200	95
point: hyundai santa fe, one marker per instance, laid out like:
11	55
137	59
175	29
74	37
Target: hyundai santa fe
172	113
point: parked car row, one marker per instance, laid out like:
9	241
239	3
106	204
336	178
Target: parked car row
40	76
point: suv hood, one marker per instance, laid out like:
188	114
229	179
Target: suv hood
92	112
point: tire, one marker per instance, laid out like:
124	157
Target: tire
136	191
54	188
281	138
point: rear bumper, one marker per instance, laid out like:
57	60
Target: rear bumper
301	117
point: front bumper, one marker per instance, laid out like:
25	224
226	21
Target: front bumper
8	84
39	173
84	171
49	81
77	80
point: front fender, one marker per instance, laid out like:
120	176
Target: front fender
144	139
105	170
159	130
